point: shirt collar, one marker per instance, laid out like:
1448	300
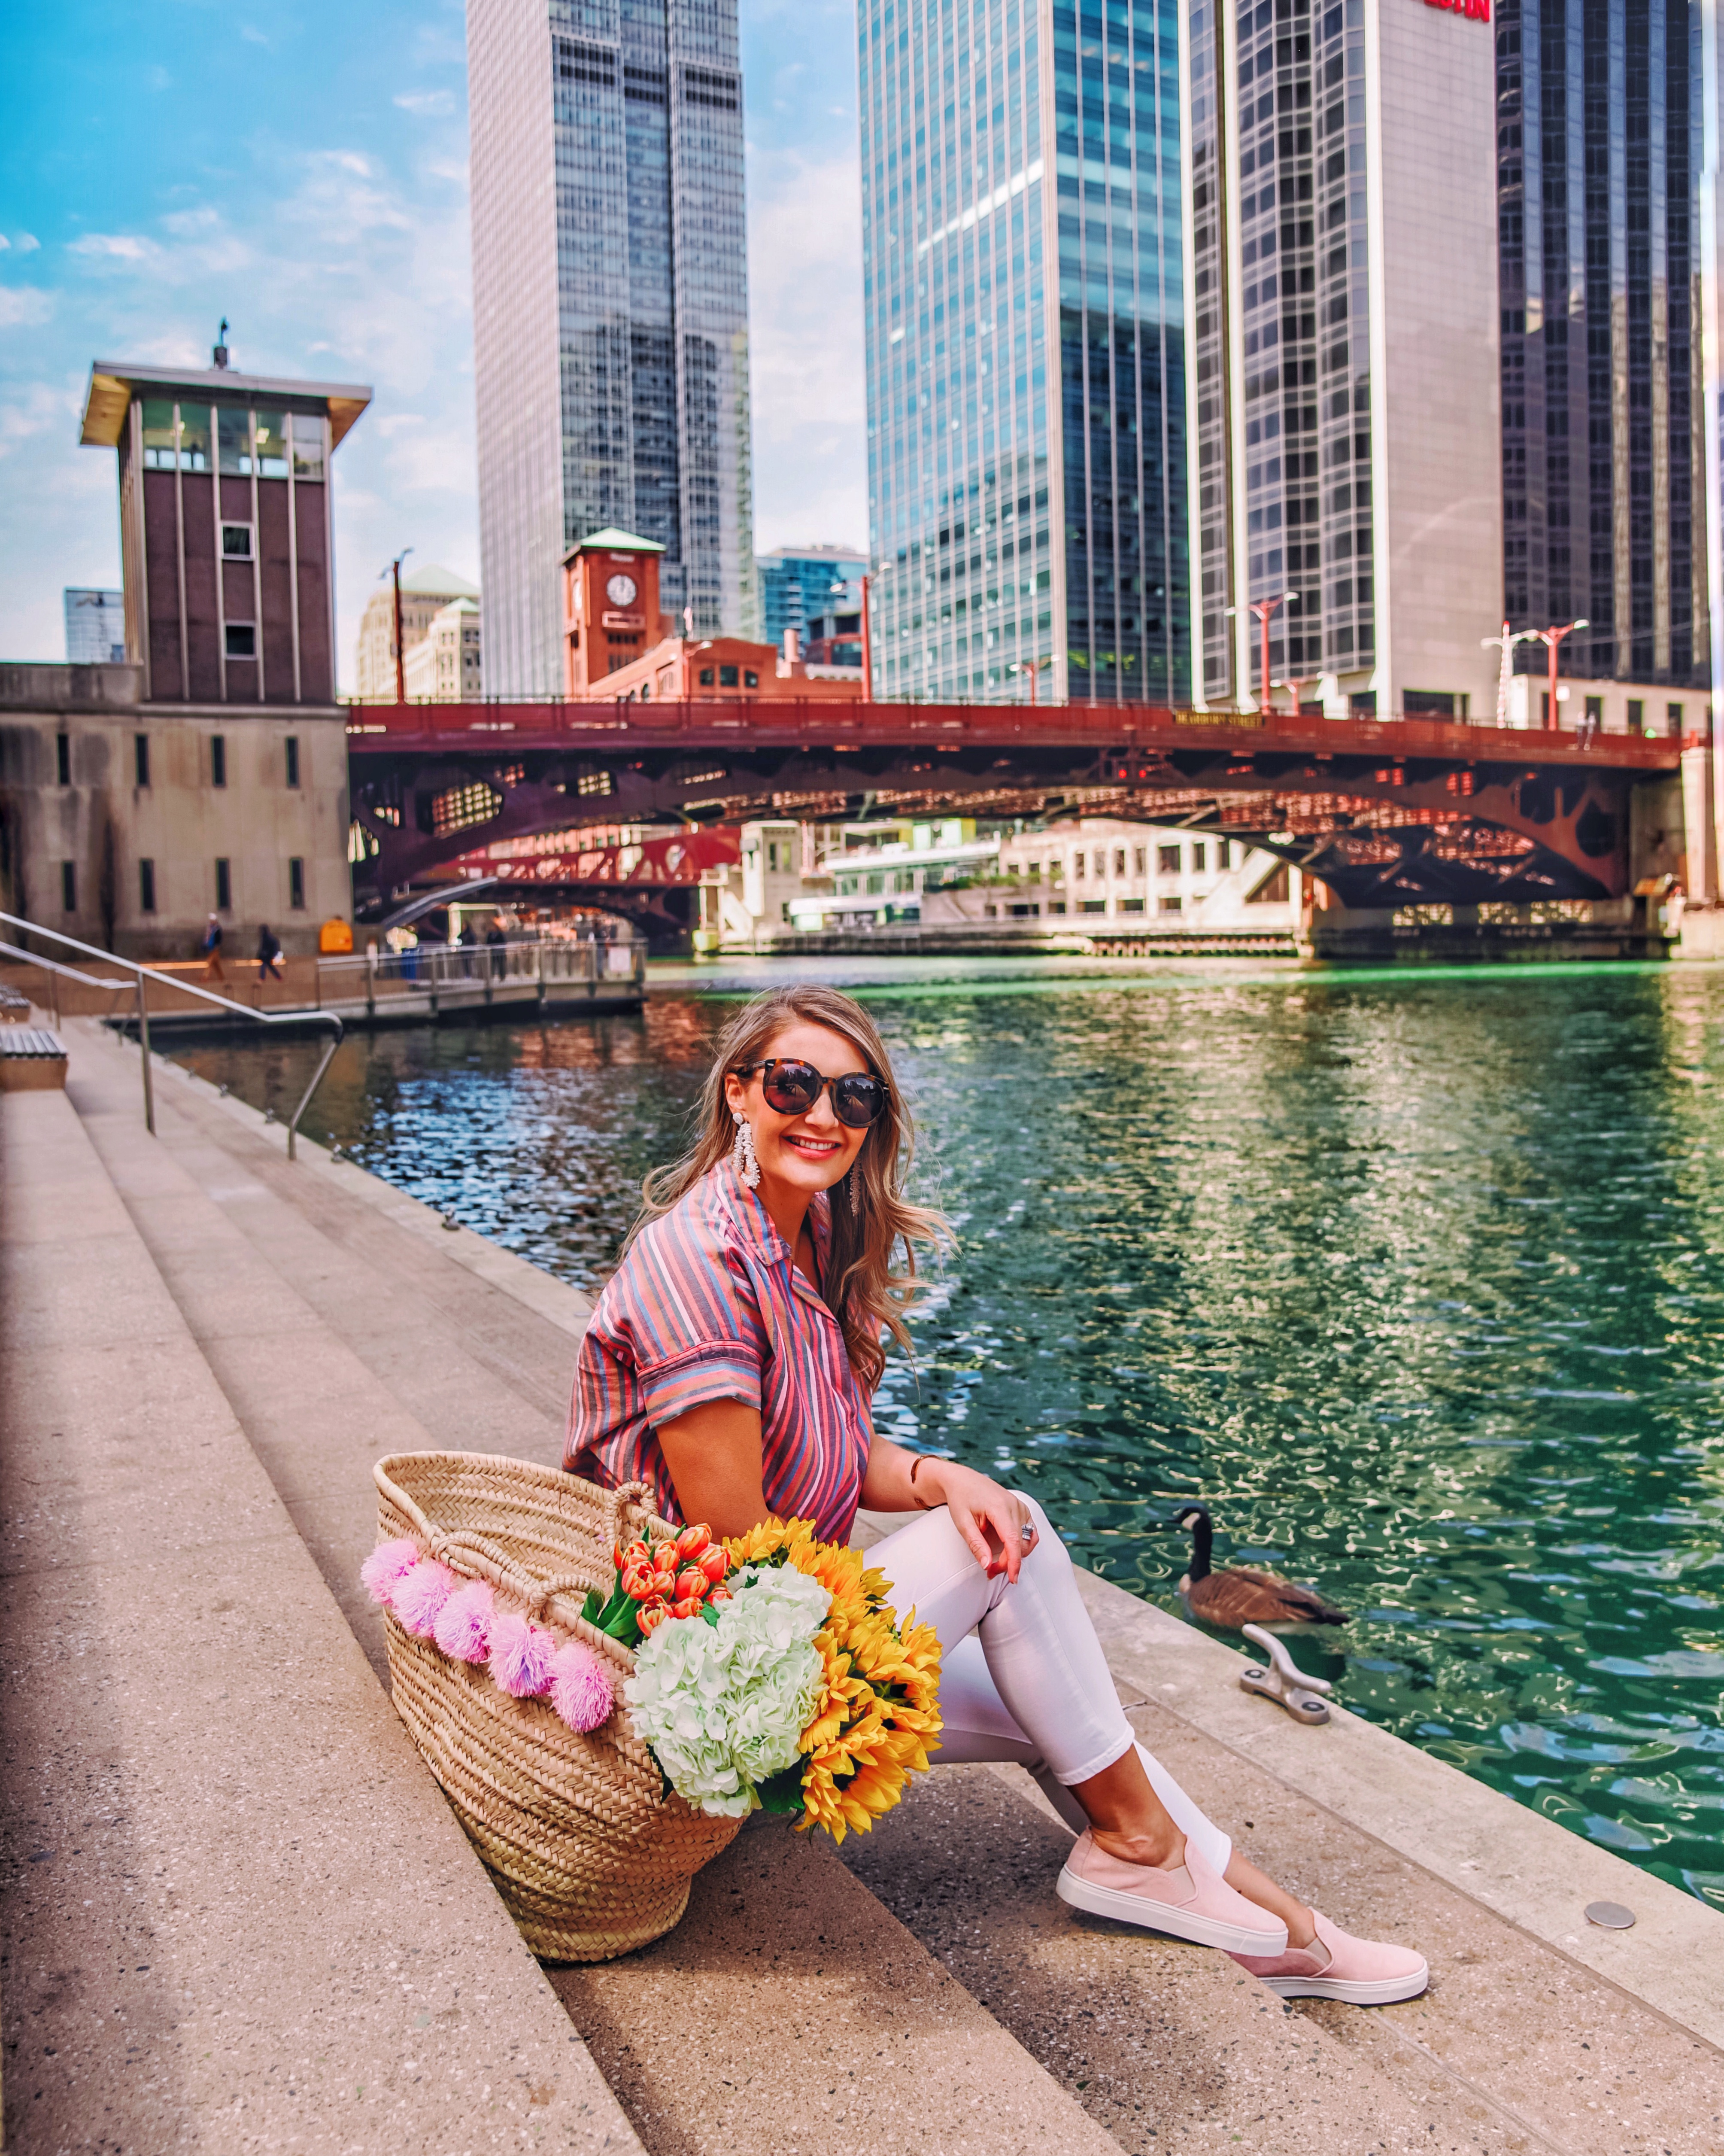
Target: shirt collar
755	1224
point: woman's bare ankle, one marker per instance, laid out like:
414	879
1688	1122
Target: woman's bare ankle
1163	1852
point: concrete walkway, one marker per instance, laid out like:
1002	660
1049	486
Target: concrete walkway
925	1989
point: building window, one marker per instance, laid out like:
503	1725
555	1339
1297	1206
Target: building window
236	542
727	677
1119	860
1637	713
1595	711
1092	906
296	884
224	887
218	759
1167	860
1130	905
1140	858
68	887
1173	904
146	887
1224	853
1077	867
1198	860
141	758
63	757
706	677
292	746
751	680
233	442
242	639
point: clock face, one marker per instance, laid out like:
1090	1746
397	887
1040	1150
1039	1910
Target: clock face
620	590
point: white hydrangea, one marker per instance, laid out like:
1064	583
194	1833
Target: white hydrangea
724	1706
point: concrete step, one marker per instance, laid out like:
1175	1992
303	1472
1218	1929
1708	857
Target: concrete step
234	1911
786	1985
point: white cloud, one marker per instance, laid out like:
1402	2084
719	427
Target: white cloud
427	103
805	305
22	306
157	78
26	242
116	246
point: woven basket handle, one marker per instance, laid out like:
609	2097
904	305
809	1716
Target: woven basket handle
480	1555
624	1494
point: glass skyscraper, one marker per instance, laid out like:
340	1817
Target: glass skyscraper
1600	154
1024	293
610	309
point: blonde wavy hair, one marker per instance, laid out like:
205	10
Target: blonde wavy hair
862	1289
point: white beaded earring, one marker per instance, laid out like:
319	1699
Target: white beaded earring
743	1155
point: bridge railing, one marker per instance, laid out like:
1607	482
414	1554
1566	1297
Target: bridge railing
607	730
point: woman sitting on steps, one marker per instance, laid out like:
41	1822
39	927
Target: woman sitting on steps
730	1365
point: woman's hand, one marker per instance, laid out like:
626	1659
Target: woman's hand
992	1520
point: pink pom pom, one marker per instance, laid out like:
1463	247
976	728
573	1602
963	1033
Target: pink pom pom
420	1594
464	1624
580	1687
387	1564
521	1657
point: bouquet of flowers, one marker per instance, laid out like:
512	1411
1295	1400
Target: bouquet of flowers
786	1685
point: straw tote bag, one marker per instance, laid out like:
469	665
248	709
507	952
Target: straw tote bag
591	1854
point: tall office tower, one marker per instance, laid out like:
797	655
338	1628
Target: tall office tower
1599	173
800	584
610	309
1345	479
1026	375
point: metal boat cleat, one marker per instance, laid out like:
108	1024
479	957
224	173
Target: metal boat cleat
1284	1682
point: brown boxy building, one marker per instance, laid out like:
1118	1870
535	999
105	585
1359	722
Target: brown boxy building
206	773
225	528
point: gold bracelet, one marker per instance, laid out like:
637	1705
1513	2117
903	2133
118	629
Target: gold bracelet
913	1499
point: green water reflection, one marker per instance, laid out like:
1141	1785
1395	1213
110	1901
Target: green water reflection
1416	1282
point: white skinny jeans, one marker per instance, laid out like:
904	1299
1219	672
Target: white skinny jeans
1033	1685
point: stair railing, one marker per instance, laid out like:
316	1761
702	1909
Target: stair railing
142	976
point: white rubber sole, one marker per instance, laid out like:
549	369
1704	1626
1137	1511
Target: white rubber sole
1382	1993
1163	1917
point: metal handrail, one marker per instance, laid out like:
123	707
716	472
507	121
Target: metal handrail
145	974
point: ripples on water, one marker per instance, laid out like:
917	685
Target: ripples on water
1416	1283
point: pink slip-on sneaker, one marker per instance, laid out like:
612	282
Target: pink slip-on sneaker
1190	1900
1359	1972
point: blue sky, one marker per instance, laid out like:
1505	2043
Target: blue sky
301	169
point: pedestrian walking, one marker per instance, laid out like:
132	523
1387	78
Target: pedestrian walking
469	944
213	951
494	943
268	954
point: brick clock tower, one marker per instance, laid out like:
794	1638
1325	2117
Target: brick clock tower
610	607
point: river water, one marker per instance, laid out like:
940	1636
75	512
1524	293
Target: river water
1415	1280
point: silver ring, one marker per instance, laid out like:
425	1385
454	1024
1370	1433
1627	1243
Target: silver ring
1028	1534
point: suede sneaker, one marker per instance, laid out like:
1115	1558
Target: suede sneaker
1189	1900
1335	1965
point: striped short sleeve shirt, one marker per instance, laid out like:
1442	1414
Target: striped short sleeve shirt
708	1305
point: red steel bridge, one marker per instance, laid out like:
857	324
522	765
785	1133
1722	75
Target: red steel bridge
1385	812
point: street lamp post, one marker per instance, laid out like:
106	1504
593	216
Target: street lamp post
1031	667
394	571
1504	672
1550	638
1263	609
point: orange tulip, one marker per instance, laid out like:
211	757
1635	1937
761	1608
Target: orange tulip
720	1594
691	1583
693	1540
688	1606
637	1582
650	1618
714	1562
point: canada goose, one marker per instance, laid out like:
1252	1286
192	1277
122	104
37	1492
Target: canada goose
1239	1597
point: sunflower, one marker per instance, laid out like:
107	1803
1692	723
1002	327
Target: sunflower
878	1710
